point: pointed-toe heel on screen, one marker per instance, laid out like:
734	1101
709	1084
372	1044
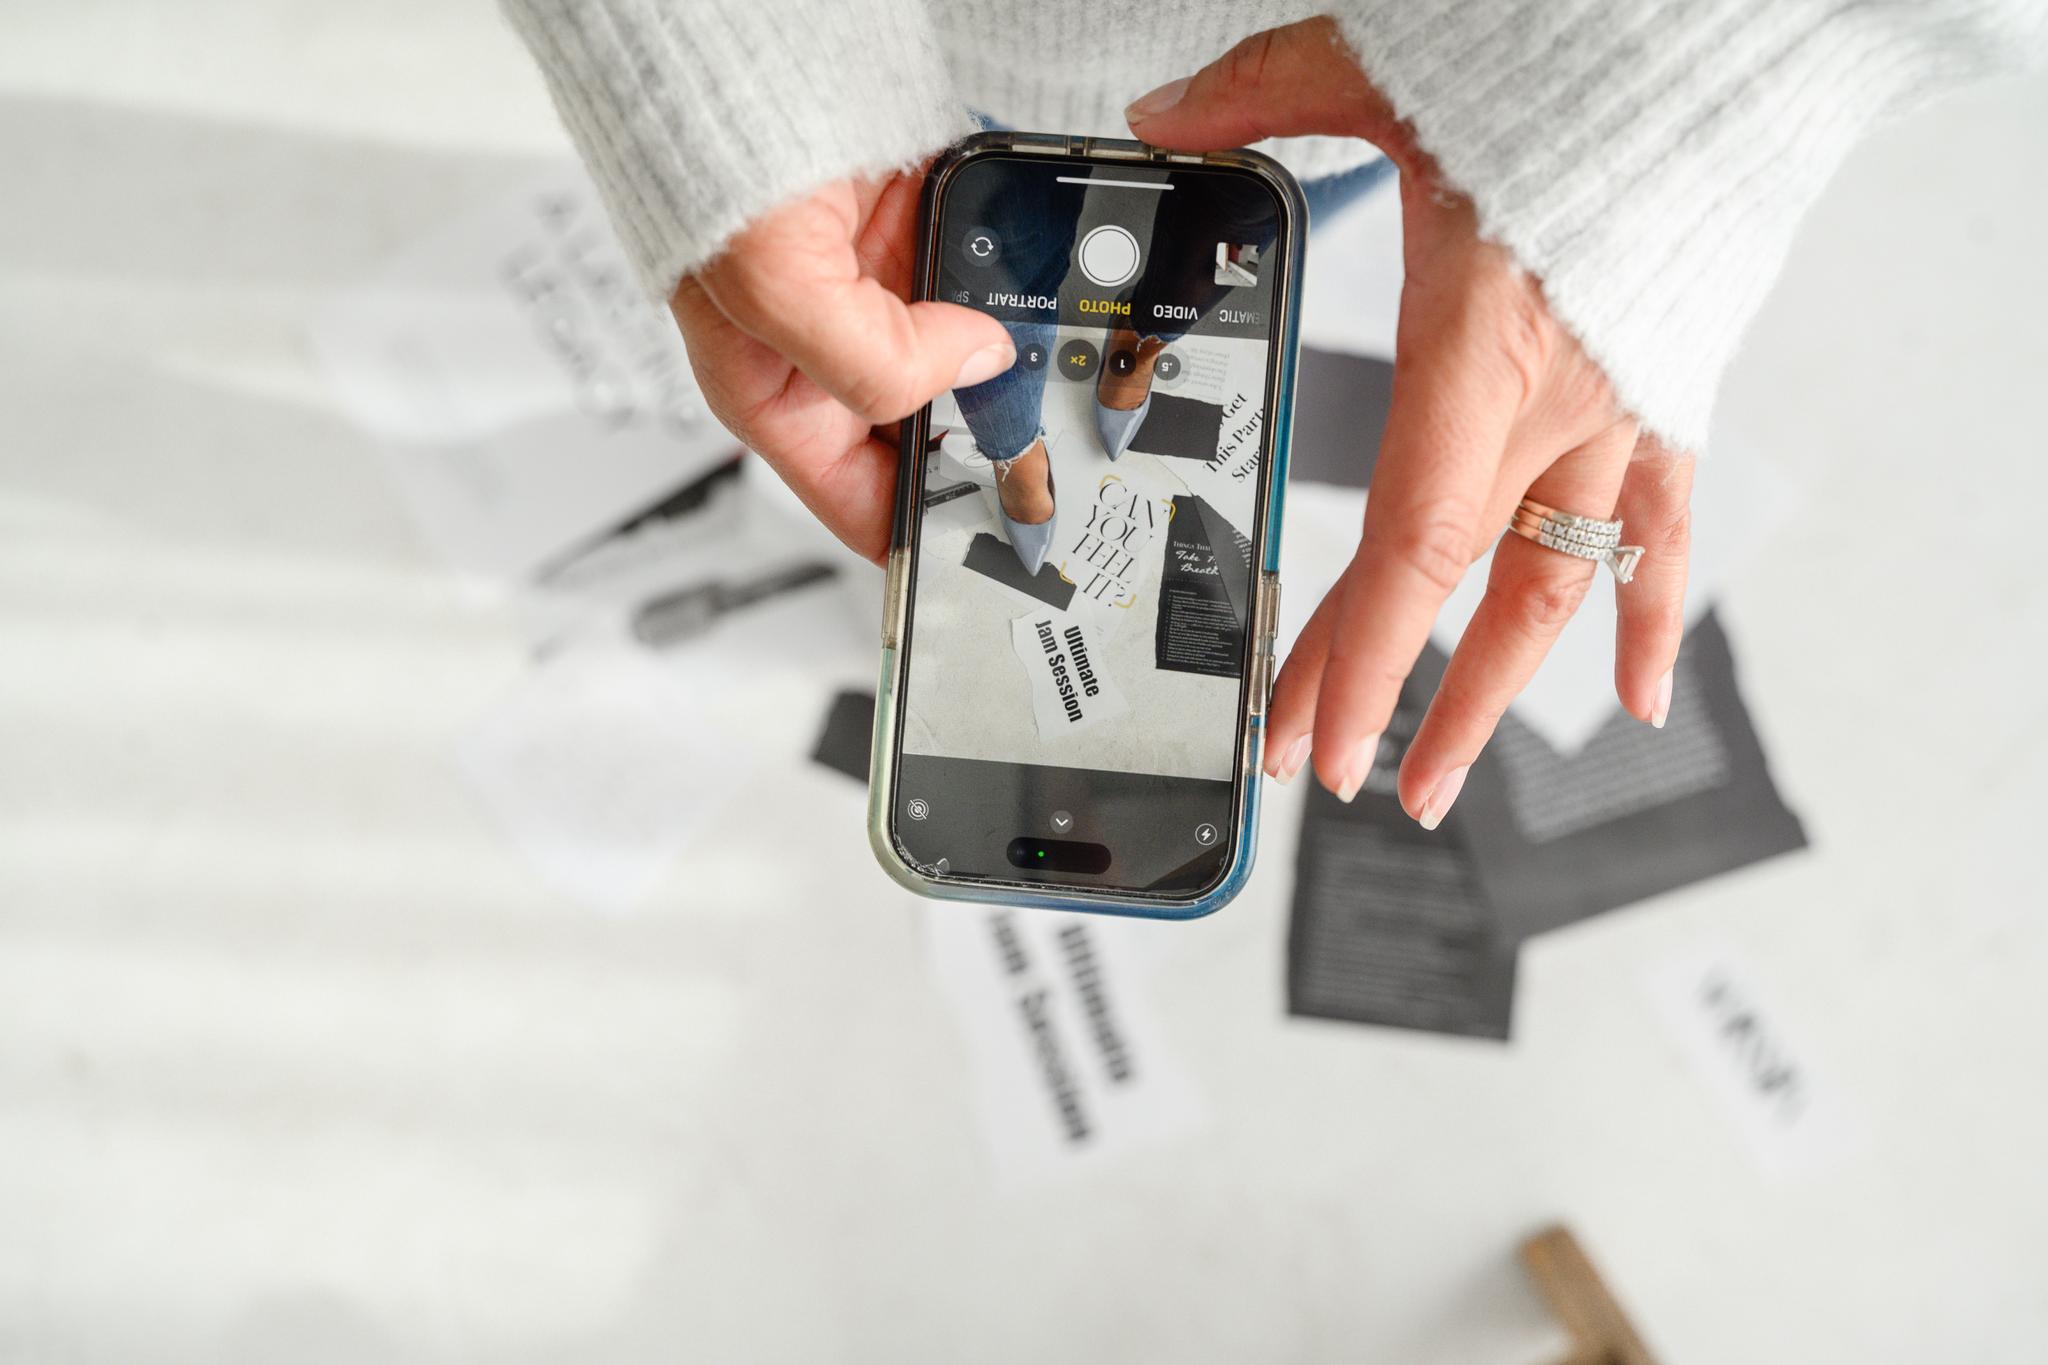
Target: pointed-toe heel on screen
1033	541
1117	427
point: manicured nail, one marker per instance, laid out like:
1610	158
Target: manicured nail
1438	802
1359	768
1289	763
985	364
1158	101
1660	709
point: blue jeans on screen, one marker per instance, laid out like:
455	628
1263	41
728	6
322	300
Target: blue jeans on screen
1003	414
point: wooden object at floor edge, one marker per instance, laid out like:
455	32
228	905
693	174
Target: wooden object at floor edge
1601	1333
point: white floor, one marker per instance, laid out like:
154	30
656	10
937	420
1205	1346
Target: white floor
300	1063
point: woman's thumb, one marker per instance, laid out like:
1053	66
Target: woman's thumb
1300	78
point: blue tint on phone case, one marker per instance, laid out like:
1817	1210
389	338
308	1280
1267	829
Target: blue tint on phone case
935	880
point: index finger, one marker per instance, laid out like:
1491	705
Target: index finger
1446	428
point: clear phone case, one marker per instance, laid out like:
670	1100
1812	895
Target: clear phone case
928	881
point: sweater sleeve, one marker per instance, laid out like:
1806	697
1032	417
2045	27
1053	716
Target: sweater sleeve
696	116
1649	160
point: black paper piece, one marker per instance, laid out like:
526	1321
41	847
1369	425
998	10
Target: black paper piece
1636	812
991	555
683	614
1340	414
940	494
1202	593
1389	921
1186	428
849	731
672	506
1390	924
1396	925
1235	551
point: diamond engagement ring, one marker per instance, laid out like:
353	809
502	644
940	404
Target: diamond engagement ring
1581	537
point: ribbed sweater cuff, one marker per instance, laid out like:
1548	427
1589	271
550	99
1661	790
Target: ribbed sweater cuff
692	127
1649	160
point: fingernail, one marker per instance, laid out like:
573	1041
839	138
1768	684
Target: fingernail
1359	768
1660	709
1289	763
985	364
1438	802
1158	101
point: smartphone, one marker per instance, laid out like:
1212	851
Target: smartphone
1083	582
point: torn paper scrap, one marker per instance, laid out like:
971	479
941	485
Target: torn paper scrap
1229	481
1071	689
1182	428
1557	837
1104	533
989	555
527	394
1204	593
1390	924
1763	1076
1070	1064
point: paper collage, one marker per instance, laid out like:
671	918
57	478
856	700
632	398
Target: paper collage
1151	554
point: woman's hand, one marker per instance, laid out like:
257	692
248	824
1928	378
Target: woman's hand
803	345
1492	400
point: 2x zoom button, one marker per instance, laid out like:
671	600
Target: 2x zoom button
1079	360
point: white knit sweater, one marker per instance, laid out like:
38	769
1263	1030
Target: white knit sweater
1648	160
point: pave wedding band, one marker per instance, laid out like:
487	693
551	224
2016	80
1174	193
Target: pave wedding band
1581	537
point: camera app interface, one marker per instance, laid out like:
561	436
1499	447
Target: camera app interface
1085	560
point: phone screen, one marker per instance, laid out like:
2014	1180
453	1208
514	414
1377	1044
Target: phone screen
1087	538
